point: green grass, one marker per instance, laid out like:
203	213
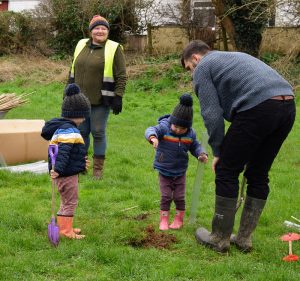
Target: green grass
129	181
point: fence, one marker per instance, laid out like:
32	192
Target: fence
172	39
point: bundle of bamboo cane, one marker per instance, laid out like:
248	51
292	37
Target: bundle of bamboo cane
10	101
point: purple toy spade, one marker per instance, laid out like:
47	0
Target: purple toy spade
53	230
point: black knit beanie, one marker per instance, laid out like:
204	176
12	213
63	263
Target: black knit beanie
183	112
75	104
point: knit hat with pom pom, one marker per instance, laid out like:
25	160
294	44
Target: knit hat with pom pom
183	112
98	20
75	104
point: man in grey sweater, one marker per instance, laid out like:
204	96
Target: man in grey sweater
259	104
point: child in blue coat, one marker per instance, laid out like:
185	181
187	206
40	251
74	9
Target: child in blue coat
71	158
173	138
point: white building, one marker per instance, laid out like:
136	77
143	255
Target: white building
286	13
21	5
166	12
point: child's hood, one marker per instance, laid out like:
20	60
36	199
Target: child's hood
164	119
52	125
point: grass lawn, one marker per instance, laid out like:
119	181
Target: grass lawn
117	213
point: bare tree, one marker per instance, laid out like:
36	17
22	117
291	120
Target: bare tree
245	20
151	13
197	21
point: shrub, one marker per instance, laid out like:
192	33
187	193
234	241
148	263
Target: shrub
23	33
68	20
15	32
59	24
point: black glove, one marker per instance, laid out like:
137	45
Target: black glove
117	105
107	101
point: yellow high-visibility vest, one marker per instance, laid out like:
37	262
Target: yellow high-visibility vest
110	48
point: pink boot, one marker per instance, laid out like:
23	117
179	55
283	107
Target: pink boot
164	220
178	220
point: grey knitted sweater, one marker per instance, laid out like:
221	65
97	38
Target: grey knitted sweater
230	82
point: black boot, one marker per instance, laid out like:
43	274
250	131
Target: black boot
222	225
251	213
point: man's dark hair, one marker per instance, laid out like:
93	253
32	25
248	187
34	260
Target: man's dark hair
194	47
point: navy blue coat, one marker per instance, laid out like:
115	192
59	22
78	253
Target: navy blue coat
171	157
71	155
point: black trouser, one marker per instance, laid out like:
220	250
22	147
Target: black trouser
253	138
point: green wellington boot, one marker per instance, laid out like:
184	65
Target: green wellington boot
250	216
222	225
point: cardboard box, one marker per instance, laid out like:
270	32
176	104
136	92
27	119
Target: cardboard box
21	141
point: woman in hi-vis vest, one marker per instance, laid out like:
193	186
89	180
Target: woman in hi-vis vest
99	69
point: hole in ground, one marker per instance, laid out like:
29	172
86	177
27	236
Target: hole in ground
160	240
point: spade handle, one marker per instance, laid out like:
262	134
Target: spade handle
53	151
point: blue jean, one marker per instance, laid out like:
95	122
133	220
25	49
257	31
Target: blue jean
96	124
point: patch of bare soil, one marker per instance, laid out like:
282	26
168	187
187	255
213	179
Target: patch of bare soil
159	240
